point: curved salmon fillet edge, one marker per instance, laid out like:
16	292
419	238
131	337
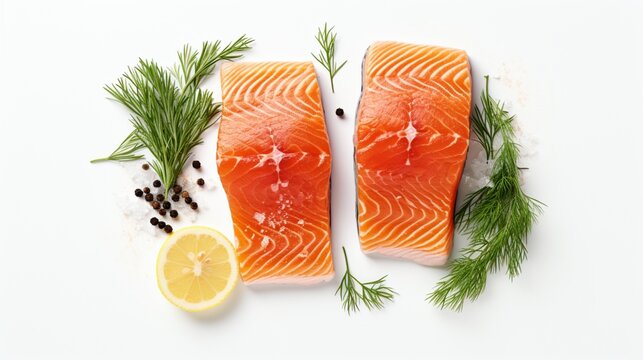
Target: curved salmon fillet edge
418	256
295	280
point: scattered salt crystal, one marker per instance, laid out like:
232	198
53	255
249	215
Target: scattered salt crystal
260	217
477	171
264	242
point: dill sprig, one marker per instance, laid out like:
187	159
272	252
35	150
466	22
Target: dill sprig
126	151
194	66
497	218
372	294
169	111
326	57
483	122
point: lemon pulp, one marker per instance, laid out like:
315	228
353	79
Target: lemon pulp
196	268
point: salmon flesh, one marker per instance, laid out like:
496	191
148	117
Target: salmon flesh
273	157
411	141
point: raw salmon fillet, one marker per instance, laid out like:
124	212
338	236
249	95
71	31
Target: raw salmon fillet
411	141
274	161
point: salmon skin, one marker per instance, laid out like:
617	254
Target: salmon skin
273	157
411	141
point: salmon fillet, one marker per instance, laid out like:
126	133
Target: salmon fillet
273	157
411	141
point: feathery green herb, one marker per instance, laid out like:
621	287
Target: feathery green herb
326	57
497	218
372	294
126	151
484	124
168	110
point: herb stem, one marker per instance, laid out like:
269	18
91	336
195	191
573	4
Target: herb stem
326	57
126	151
348	269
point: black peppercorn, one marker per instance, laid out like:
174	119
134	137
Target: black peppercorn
177	189
196	164
156	205
154	221
339	112
138	192
149	197
146	166
160	197
146	190
176	197
174	213
188	200
168	228
162	212
194	205
200	182
157	183
185	194
166	205
161	224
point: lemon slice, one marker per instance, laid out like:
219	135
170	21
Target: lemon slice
196	268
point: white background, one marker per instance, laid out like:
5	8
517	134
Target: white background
77	275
